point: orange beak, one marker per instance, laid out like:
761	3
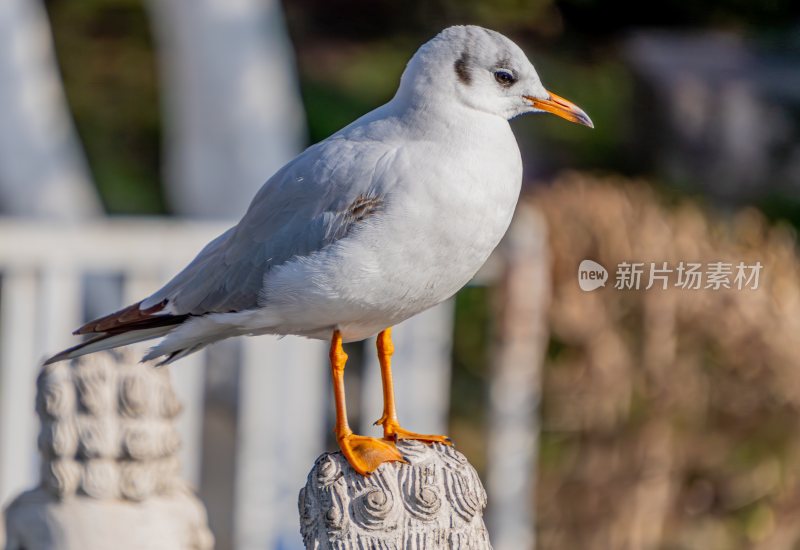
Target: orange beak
561	107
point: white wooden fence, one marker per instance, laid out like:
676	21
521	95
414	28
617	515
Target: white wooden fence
283	396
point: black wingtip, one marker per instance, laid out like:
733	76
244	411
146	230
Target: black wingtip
69	353
61	356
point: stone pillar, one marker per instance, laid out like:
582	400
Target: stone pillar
109	466
435	501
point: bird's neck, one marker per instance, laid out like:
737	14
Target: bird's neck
434	118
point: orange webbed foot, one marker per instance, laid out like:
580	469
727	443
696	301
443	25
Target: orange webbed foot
393	432
365	454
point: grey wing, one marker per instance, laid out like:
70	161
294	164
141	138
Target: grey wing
309	204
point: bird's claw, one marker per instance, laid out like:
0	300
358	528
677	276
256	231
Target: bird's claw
365	454
381	421
393	432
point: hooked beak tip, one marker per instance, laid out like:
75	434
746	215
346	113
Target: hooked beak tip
561	107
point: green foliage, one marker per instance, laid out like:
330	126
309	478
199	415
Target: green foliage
338	87
604	89
107	61
499	13
470	375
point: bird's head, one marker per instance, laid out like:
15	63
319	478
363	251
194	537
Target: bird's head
483	70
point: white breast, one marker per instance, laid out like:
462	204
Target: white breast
442	219
455	214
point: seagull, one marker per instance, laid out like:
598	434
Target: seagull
384	219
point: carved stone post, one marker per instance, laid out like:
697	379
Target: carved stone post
435	501
109	478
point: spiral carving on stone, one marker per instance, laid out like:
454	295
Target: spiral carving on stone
328	470
107	428
435	501
337	520
96	387
56	393
137	480
100	479
307	519
452	458
416	451
135	399
58	438
420	492
376	508
465	493
334	518
149	440
97	437
325	484
61	477
169	406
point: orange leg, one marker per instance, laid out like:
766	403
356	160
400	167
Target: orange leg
391	427
364	454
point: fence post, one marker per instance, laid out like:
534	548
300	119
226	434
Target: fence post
518	352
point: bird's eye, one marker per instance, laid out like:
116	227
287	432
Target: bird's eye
504	77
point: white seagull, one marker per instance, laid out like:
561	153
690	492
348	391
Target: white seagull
384	219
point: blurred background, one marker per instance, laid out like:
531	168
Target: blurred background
646	419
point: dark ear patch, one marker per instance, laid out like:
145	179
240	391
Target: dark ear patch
462	71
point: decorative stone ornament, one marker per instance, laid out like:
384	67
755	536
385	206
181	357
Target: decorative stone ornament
434	501
110	470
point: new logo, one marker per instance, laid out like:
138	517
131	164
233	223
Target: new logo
591	275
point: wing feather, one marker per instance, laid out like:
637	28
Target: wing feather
311	203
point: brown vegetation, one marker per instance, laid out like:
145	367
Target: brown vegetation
670	417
